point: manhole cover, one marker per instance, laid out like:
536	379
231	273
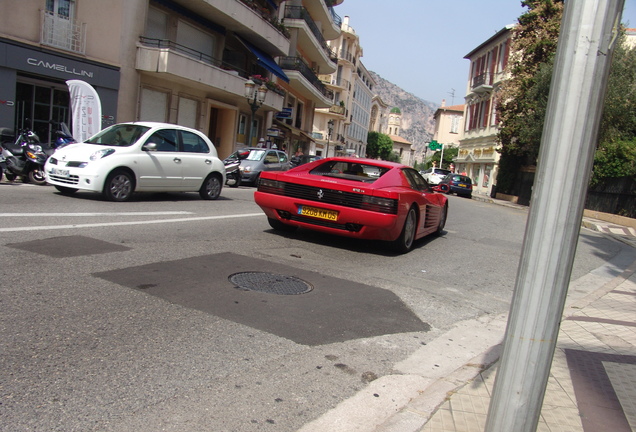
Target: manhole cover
270	283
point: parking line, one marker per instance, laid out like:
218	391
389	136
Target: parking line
110	224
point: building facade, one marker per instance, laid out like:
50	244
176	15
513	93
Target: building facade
180	61
342	128
477	156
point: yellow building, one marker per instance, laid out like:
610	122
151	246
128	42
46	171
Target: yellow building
477	156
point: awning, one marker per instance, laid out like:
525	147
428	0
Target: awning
265	60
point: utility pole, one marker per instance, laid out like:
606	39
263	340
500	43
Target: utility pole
588	32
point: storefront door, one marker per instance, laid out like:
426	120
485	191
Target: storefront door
37	103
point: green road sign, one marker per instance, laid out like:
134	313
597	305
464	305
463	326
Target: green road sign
434	145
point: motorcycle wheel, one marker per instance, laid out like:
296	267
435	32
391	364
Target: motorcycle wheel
235	182
37	177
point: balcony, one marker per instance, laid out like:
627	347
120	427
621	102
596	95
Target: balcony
482	83
323	13
306	81
310	38
60	32
244	18
160	56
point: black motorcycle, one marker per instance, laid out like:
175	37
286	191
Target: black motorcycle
25	157
233	167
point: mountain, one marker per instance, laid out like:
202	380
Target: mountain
417	113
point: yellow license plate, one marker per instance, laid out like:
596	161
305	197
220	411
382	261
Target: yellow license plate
462	185
318	213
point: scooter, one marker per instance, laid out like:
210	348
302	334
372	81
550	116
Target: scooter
233	167
26	156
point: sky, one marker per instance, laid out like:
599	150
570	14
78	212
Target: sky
420	45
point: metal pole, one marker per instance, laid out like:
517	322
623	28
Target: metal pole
569	136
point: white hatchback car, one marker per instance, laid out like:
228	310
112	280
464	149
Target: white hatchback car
139	156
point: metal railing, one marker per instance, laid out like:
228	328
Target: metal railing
298	64
299	12
193	54
60	32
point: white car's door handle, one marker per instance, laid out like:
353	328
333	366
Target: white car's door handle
177	160
208	161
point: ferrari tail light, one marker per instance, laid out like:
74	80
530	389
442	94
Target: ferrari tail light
271	186
379	204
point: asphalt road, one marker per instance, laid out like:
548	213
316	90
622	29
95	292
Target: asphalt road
122	316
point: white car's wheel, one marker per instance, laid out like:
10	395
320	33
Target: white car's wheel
119	186
211	188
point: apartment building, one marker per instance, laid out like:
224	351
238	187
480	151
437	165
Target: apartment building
341	129
477	156
190	62
449	123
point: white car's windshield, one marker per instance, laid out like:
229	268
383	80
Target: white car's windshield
118	135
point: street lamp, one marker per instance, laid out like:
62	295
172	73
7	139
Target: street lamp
329	132
255	98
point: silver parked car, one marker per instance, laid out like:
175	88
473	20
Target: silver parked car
262	159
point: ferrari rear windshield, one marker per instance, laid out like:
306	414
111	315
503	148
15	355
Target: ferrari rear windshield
350	170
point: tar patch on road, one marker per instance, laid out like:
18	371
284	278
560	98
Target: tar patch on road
335	310
69	246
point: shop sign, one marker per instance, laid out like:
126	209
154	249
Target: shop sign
284	114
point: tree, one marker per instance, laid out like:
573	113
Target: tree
524	100
616	152
379	145
450	154
523	97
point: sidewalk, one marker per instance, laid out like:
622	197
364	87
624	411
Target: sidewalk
592	382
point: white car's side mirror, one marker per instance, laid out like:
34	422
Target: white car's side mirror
150	147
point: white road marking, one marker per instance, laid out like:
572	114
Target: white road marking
146	222
166	213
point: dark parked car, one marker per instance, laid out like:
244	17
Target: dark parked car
456	183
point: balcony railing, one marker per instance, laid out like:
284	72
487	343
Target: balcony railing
299	12
335	17
297	64
481	80
193	54
344	55
60	32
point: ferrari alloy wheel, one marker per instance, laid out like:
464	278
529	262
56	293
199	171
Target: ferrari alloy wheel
442	220
404	242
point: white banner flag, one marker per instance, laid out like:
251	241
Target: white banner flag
86	108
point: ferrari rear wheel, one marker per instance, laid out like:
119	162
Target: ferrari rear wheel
279	226
442	220
404	242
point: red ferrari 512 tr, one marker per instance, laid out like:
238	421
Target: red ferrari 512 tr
360	198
